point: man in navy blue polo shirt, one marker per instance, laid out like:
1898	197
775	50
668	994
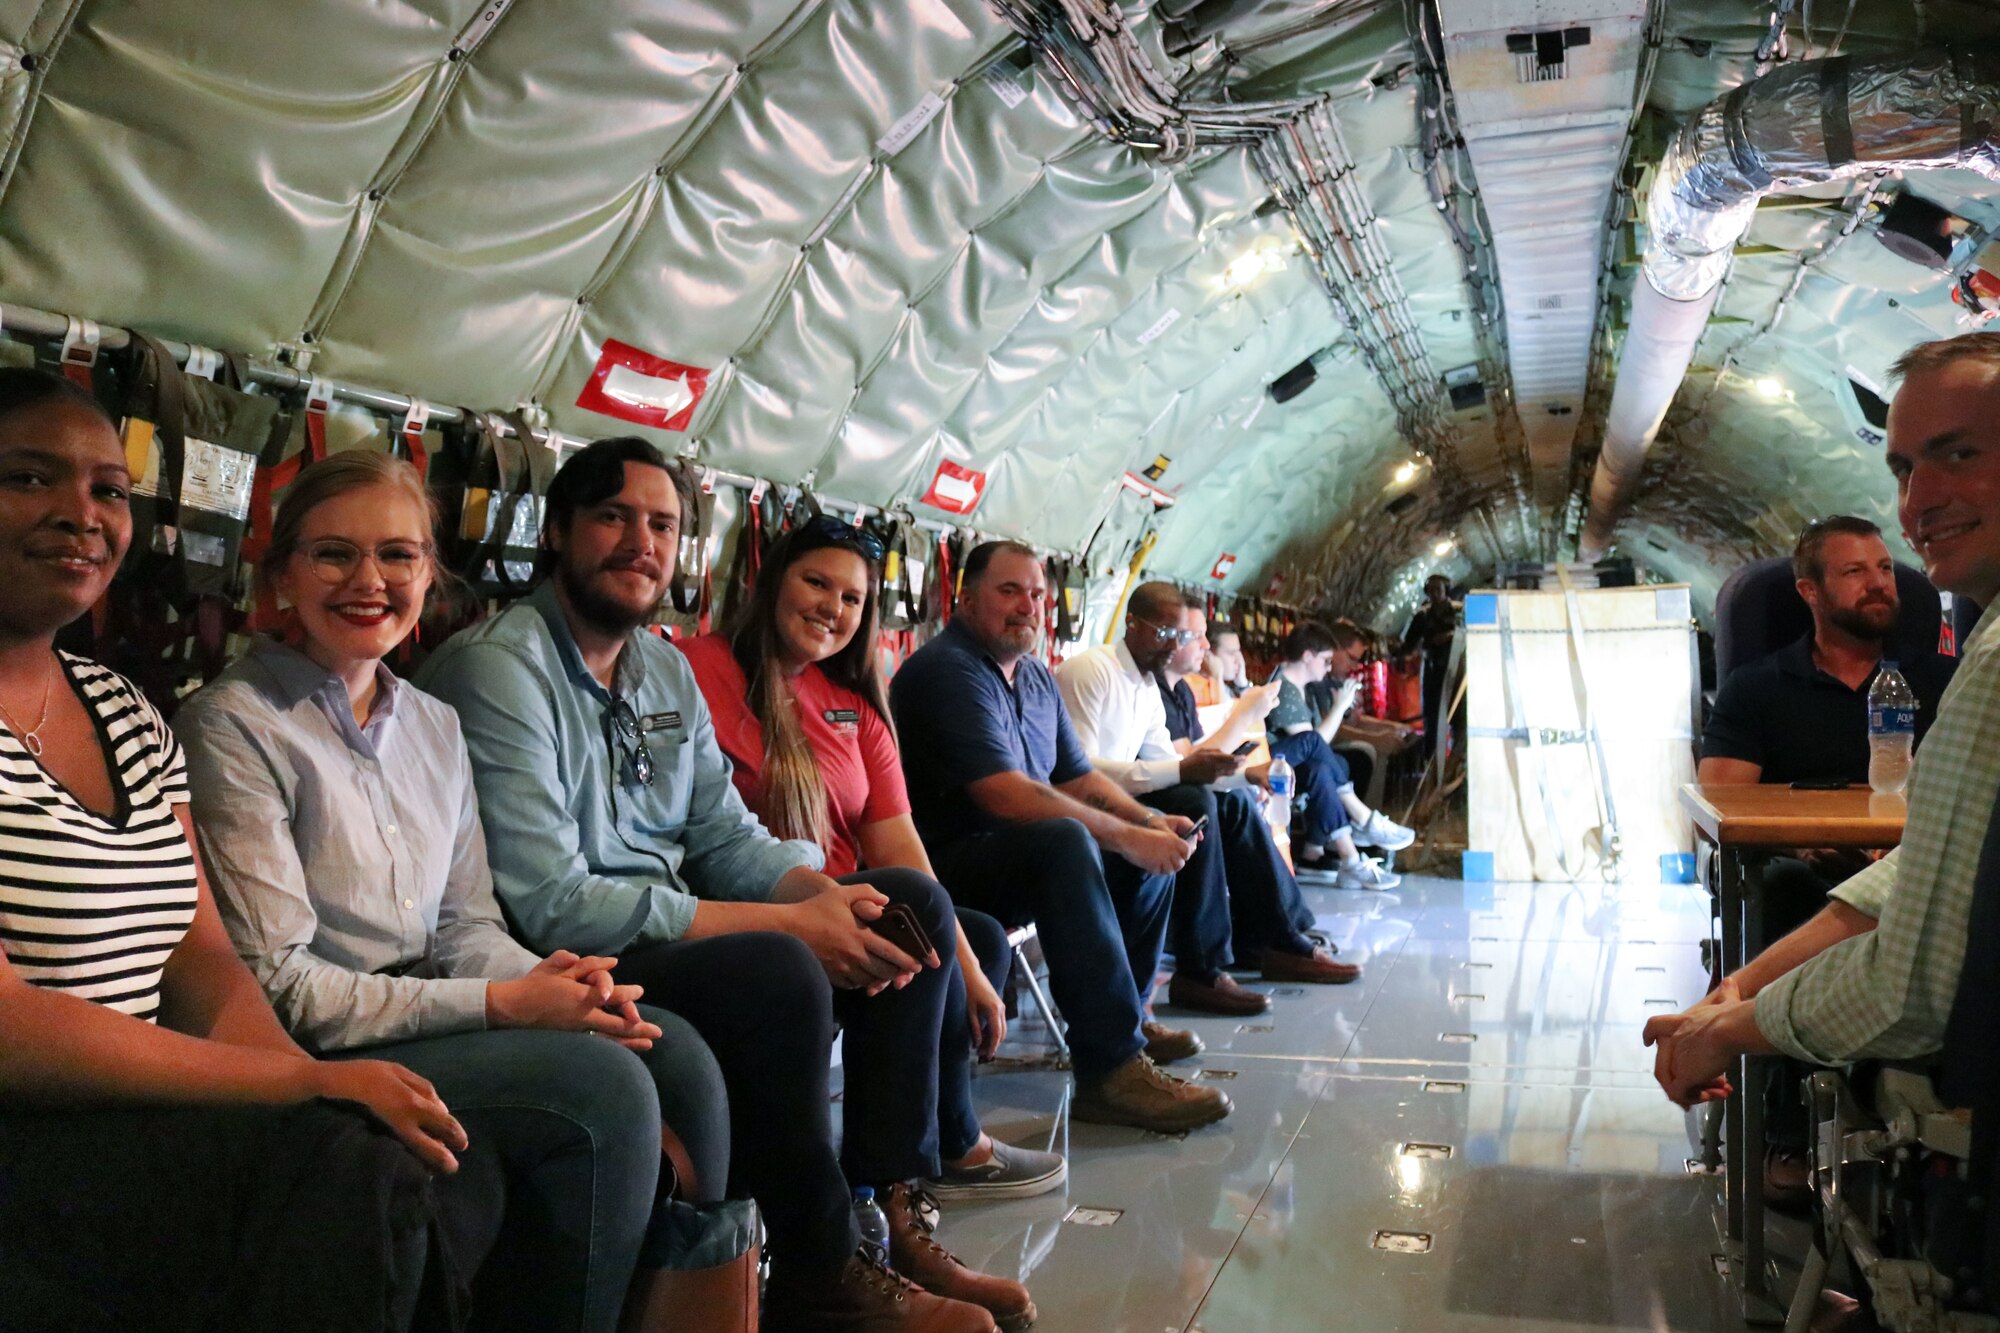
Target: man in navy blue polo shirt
1018	824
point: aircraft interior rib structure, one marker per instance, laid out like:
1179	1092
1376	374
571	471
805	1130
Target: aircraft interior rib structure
1296	305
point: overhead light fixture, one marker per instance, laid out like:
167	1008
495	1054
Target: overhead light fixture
1444	547
1406	472
1268	256
1769	387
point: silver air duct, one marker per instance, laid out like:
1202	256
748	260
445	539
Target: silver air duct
1804	124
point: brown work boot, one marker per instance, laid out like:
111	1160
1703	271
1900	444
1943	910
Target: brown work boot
1138	1094
1165	1044
1315	969
914	1254
862	1296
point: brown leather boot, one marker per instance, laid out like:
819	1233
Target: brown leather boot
1139	1094
921	1259
863	1297
1164	1044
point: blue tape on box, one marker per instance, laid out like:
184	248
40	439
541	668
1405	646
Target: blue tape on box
1476	865
1482	608
1677	868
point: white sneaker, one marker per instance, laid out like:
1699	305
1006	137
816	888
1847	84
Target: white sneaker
1365	872
1381	831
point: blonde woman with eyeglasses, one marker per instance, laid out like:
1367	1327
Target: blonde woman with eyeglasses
336	808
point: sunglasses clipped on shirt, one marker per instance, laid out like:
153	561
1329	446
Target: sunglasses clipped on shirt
834	532
625	730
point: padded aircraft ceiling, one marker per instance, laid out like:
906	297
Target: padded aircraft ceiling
887	235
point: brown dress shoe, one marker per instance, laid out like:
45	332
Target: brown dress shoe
1315	969
1219	995
1165	1044
914	1254
862	1296
1139	1094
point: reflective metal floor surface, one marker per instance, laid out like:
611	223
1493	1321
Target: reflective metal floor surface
1496	1024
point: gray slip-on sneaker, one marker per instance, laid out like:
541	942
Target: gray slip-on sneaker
1010	1173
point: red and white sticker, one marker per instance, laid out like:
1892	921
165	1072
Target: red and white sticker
1223	564
635	385
1276	586
955	489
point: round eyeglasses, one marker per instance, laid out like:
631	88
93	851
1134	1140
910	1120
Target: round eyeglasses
333	562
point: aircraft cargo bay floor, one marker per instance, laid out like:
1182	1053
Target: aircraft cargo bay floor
1483	1086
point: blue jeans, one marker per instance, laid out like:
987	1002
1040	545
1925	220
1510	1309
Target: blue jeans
958	1123
1266	909
1101	920
565	1128
1200	928
1322	776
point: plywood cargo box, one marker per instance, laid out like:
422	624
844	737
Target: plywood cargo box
1539	809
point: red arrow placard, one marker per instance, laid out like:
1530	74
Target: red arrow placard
955	489
635	385
1223	564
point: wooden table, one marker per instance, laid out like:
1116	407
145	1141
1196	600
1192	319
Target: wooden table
1746	823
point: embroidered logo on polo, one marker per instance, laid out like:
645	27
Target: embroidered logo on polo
846	719
652	722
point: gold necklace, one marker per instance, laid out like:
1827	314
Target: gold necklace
31	739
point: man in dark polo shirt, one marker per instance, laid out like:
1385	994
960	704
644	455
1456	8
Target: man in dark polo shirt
1800	714
1019	825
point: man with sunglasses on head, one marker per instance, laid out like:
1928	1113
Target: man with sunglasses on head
613	828
1019	825
1114	704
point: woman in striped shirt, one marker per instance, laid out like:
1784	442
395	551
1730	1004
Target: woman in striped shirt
169	1157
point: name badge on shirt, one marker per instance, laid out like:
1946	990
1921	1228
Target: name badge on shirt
652	722
846	719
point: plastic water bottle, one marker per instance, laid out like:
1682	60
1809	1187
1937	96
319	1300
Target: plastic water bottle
1892	730
873	1222
1283	784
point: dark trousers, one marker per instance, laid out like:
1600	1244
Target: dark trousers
1322	775
958	1123
1791	892
568	1125
213	1218
1435	667
1198	928
1101	920
1266	908
763	1004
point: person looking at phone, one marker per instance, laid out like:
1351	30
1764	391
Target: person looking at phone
801	710
1333	819
170	1159
1269	919
1019	824
1113	697
614	829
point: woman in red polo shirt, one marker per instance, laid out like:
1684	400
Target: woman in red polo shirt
801	709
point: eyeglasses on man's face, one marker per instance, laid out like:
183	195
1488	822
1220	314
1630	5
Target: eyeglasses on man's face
1167	633
625	727
334	561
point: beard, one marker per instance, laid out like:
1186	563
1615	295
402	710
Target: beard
606	614
1868	620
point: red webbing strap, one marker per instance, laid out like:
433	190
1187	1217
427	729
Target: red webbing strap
947	575
319	400
412	435
79	349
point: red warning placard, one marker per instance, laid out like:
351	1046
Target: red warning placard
635	385
955	489
1223	564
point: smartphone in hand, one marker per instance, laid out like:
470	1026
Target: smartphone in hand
898	924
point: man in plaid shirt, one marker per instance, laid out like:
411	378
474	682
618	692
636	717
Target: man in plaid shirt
1887	992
